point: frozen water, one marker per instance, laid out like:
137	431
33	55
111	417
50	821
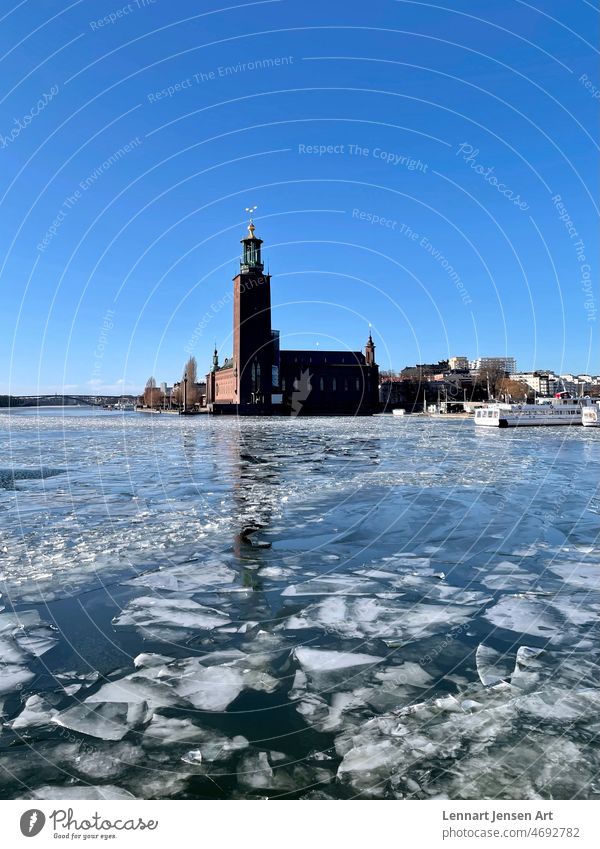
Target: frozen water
322	661
368	617
188	577
23	637
13	677
208	688
79	792
492	666
537	618
170	618
256	772
559	705
394	553
37	712
107	761
136	689
106	720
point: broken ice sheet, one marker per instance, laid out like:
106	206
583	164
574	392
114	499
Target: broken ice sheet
262	771
582	575
387	751
192	577
492	666
368	618
325	669
12	677
206	687
136	689
23	637
37	712
507	576
324	661
535	766
106	720
332	585
555	704
211	688
169	618
79	792
526	616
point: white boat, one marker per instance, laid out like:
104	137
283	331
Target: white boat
561	410
398	412
590	415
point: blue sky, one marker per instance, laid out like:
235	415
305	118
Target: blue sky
429	169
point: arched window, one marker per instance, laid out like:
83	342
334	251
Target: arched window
357	384
334	384
346	385
321	384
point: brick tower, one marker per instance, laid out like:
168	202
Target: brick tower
252	337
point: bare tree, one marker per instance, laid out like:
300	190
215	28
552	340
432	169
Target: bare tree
514	390
190	372
152	395
491	377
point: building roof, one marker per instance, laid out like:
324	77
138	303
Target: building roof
320	357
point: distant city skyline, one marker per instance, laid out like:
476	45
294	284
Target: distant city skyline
434	178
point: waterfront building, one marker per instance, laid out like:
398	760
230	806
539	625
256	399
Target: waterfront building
261	378
544	383
505	364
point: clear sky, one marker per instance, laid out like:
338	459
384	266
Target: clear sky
429	169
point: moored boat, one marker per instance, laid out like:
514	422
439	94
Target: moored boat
561	410
590	415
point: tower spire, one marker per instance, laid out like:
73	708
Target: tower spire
370	349
251	254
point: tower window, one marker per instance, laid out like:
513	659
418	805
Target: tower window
321	384
357	384
334	384
346	385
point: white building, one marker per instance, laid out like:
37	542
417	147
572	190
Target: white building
544	383
507	364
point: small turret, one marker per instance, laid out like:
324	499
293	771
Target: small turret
215	359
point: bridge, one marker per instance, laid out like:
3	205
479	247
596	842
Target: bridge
65	400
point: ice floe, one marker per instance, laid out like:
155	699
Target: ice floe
106	720
79	792
368	618
189	577
492	666
170	618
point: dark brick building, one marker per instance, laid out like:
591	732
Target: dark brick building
261	379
